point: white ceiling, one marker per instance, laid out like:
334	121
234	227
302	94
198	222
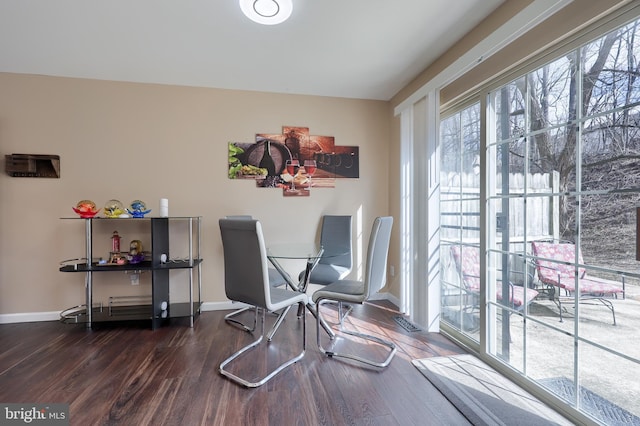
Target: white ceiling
366	49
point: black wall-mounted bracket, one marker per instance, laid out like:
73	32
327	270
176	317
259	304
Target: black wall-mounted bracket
30	165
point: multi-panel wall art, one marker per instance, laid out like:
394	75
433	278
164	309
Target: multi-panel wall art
293	161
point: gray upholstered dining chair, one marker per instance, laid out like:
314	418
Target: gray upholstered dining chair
246	279
275	279
337	259
351	291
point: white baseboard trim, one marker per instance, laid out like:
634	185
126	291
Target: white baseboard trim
206	306
55	315
386	296
29	317
221	306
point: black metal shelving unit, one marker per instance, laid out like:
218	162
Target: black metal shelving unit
159	266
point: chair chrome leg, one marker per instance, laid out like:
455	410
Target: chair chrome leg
229	319
323	323
270	375
276	325
334	354
311	309
343	314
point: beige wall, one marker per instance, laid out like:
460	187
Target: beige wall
502	14
128	141
552	33
564	23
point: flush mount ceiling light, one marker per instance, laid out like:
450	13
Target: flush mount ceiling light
267	12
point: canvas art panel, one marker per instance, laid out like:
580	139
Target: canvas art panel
293	161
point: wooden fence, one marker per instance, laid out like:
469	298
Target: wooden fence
460	206
538	212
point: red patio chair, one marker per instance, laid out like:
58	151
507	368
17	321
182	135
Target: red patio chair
555	265
467	261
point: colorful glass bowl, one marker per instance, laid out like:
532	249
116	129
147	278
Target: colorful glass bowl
113	208
138	208
86	209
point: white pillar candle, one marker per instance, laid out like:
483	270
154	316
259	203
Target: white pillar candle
164	207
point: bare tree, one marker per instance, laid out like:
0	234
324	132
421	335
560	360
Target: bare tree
556	151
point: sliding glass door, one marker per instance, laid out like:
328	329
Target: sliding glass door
554	273
460	220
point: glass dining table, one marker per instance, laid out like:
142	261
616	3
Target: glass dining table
311	254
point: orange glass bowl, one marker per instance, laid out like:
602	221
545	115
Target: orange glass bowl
86	209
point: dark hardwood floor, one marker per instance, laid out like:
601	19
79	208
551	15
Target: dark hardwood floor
131	375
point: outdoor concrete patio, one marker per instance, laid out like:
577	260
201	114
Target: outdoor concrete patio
550	344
